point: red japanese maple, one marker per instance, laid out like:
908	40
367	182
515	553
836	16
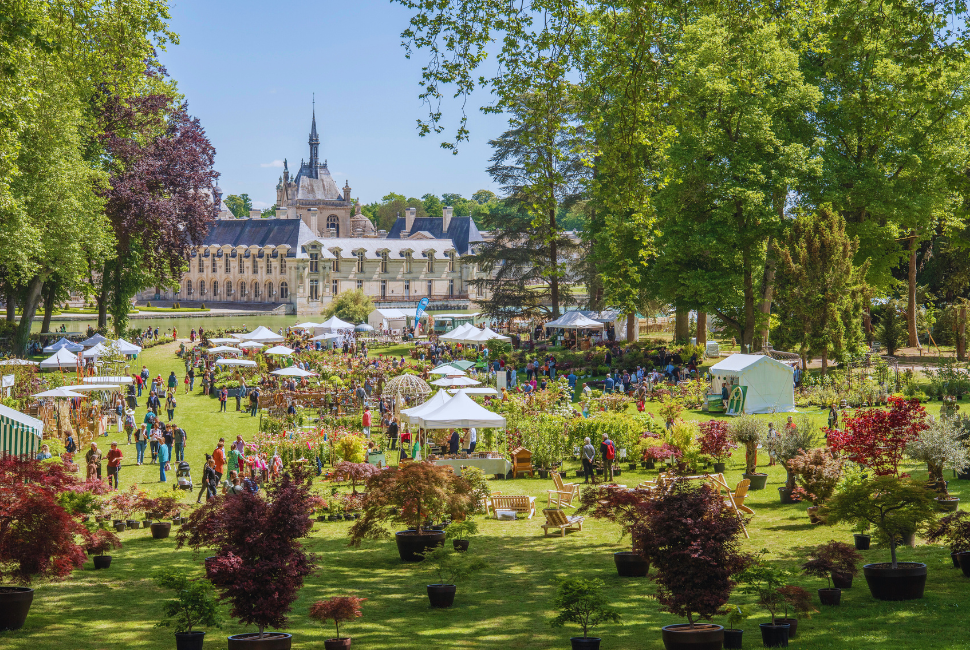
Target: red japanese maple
877	438
337	609
716	440
260	563
356	473
37	534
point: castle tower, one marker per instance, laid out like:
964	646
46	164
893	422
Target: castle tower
314	144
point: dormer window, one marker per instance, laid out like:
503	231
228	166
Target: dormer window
430	261
383	261
408	259
360	261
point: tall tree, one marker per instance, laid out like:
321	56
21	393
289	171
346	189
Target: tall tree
239	205
821	291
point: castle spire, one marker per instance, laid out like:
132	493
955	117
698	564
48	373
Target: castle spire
314	142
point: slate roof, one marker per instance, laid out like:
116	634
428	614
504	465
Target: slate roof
260	232
372	247
462	231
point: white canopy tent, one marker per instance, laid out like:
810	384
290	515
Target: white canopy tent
127	348
474	390
770	383
20	434
461	412
93	341
70	346
459	332
455	381
97	351
251	345
59	360
89	387
573	320
236	362
304	326
58	392
332	324
449	371
435	402
262	334
293	371
225	341
224	349
326	337
483	336
279	350
388	319
109	379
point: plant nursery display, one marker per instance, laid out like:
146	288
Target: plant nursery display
749	431
836	562
877	438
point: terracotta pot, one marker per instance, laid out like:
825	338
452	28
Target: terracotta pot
271	641
701	637
14	605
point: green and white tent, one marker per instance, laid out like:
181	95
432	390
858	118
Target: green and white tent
19	434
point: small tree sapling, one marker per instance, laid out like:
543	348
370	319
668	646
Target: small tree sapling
832	557
716	441
356	473
100	540
953	530
194	603
877	438
337	609
581	601
461	530
796	598
763	580
450	567
747	430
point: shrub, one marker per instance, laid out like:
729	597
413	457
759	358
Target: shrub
260	563
817	473
100	541
877	438
791	442
716	441
203	306
450	567
356	473
953	530
747	430
352	448
683	436
581	601
461	529
832	557
895	507
941	447
149	303
337	609
193	605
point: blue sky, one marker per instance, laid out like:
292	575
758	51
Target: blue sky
248	69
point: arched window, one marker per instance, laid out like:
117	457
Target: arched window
269	291
215	288
255	290
243	286
201	287
228	288
333	222
284	291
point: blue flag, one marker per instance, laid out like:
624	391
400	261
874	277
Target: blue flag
422	305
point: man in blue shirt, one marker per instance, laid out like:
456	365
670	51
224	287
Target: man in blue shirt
572	379
608	387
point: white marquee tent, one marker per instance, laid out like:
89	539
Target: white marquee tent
261	334
20	434
461	412
770	385
436	401
59	360
63	343
293	371
280	350
459	332
573	320
236	362
332	324
388	319
93	341
127	348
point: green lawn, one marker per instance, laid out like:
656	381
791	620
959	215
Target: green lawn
505	607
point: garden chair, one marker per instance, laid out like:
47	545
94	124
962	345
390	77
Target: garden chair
557	519
563	493
740	492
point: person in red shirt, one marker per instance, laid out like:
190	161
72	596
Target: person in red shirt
219	458
114	464
367	421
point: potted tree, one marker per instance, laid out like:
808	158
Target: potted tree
733	634
420	491
581	601
749	431
877	438
194	605
789	444
259	563
896	508
124	503
627	509
799	601
448	567
716	443
337	609
817	473
356	473
763	581
954	531
38	532
98	542
828	560
941	447
693	542
459	532
158	508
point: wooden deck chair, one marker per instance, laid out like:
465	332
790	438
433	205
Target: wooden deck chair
740	492
557	519
563	493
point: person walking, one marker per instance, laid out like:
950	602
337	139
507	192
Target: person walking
114	464
180	439
173	382
170	405
141	441
168	437
219	458
223	396
235	461
210	482
588	454
472	439
392	432
93	460
254	402
154	403
140	382
191	378
608	452
69	445
129	423
366	421
164	456
155	442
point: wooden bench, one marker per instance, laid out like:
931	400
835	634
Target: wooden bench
558	519
524	504
563	493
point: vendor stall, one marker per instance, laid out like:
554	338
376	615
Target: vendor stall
63	344
20	435
765	385
62	359
388	319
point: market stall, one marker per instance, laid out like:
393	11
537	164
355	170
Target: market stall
762	384
63	344
62	359
20	434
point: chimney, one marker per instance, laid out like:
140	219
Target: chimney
313	222
409	215
255	214
446	218
281	213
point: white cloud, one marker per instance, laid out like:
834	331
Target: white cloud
261	205
275	163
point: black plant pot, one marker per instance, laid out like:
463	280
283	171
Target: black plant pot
441	596
774	636
633	466
948	505
102	561
862	542
701	637
333	517
460	545
631	565
733	639
14	605
579	473
906	582
964	560
584	642
955	558
133	524
784	493
830	596
758	481
718	468
649	465
161	529
792	624
120	526
842	580
189	640
410	544
251	641
964	476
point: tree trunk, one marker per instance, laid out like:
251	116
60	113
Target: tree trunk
632	327
554	262
825	360
961	336
702	328
681	325
911	298
867	323
767	292
747	332
11	304
751	457
50	291
31	298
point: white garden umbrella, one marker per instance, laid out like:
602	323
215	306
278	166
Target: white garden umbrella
293	371
58	392
280	350
455	381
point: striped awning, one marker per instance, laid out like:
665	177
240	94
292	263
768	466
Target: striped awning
19	434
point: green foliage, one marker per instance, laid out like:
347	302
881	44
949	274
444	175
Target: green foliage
450	567
891	330
763	580
351	448
239	205
581	601
352	306
194	603
462	529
